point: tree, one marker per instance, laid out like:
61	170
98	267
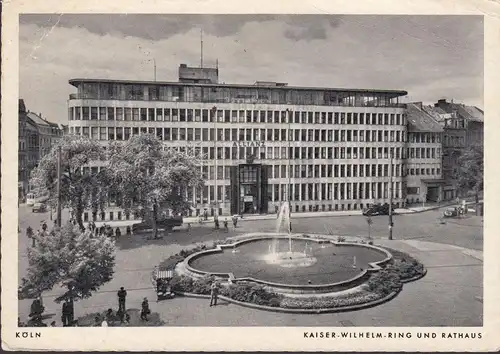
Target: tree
79	190
470	172
79	262
145	176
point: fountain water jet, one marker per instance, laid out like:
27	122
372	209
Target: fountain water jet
288	258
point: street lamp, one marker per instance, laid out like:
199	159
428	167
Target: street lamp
216	204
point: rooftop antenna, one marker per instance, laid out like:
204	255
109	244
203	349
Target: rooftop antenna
201	37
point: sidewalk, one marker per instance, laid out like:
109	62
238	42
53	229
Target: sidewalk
196	219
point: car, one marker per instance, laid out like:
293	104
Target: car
451	212
167	224
378	209
39	208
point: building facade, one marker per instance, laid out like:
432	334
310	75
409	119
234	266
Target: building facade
463	127
36	138
424	174
322	149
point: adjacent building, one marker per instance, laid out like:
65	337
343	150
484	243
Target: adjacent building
424	175
36	137
321	148
463	127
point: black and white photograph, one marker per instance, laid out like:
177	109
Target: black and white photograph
316	171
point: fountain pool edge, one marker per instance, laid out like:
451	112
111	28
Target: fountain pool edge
292	288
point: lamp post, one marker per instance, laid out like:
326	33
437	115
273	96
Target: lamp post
391	224
216	204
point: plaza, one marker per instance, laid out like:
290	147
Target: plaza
449	295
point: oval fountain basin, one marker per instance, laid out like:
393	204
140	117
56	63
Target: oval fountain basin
309	262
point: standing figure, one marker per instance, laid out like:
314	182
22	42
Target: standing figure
122	294
145	311
226	229
128	230
65	317
44	226
118	233
214	293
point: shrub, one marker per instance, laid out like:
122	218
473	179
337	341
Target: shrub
325	302
385	282
341	239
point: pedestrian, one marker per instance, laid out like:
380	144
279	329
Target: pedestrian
214	293
235	220
128	230
226	229
216	223
118	233
205	214
122	295
97	321
44	226
145	311
65	314
188	227
36	309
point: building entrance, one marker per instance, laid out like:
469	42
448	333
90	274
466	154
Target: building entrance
249	189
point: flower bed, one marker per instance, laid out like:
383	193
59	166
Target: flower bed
380	285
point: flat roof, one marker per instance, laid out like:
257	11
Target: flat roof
395	93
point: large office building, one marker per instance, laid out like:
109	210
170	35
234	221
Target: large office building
324	149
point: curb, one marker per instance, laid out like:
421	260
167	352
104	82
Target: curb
299	311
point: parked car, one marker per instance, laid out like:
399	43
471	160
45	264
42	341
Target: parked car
39	208
451	212
378	209
167	224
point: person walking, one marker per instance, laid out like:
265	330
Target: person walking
122	295
145	311
214	293
118	233
65	314
226	229
235	221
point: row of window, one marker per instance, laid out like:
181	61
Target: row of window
242	134
423	171
305	192
232	116
311	171
213	93
414	137
424	153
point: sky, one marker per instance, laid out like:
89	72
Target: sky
431	57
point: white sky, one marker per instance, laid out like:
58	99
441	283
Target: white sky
431	57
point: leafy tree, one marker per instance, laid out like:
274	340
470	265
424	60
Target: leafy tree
79	262
79	190
154	180
470	172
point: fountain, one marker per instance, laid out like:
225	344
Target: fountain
287	258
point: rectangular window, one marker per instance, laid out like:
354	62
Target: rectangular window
111	113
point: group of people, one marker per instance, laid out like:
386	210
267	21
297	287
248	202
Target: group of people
122	311
225	222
